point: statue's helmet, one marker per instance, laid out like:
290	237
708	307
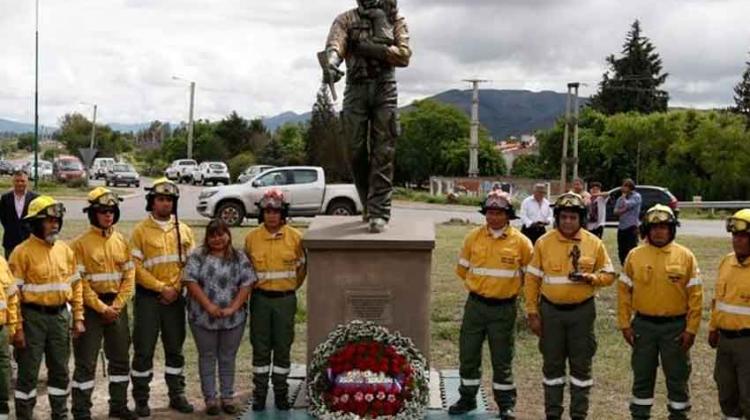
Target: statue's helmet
369	4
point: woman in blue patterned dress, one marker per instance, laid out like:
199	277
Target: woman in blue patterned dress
218	280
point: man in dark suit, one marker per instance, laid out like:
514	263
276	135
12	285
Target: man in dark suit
13	208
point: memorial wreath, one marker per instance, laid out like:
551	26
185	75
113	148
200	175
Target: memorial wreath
362	371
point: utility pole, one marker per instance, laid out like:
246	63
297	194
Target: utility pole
575	86
190	122
474	133
93	129
190	116
570	102
36	99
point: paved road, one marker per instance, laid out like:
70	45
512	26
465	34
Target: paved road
133	208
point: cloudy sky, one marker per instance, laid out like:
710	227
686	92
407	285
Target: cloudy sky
258	57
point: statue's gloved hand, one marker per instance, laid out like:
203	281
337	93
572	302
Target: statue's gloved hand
332	73
370	49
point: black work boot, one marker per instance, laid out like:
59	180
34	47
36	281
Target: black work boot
507	414
463	406
259	401
281	400
181	404
141	409
122	413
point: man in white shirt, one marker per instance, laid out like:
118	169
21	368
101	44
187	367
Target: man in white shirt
597	208
13	207
536	213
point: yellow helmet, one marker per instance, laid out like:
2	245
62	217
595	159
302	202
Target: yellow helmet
164	186
570	200
659	214
103	197
739	222
45	206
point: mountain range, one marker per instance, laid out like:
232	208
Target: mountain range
503	112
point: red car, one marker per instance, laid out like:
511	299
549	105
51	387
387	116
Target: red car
68	168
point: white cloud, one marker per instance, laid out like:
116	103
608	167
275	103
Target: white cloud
258	57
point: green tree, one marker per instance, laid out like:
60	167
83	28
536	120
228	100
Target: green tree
75	133
239	163
742	96
633	80
291	142
234	133
26	142
325	145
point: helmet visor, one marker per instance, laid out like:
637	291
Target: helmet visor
569	201
655	217
107	200
166	188
56	210
737	225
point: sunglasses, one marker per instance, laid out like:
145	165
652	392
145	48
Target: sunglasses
106	211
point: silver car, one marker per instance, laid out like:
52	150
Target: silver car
123	174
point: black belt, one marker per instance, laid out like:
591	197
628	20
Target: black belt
50	310
735	333
660	319
274	293
108	298
492	301
148	292
566	306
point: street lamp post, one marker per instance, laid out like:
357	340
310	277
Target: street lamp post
190	116
36	99
92	142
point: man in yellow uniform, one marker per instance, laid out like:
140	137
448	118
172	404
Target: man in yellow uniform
8	324
48	279
108	276
275	250
491	265
730	322
660	297
160	245
568	266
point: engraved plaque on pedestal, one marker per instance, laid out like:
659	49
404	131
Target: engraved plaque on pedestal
369	305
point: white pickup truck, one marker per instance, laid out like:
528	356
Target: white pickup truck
304	188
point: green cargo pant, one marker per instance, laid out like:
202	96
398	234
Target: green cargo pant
732	375
656	341
370	112
271	336
496	323
86	351
567	335
5	372
48	336
151	318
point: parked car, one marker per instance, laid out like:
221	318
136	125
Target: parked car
6	167
211	172
100	167
303	186
650	196
181	170
251	172
67	168
123	174
44	168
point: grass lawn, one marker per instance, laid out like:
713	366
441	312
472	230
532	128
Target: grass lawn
612	376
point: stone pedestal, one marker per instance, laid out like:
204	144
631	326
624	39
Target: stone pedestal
354	274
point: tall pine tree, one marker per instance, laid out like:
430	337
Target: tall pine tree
632	81
325	145
742	96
